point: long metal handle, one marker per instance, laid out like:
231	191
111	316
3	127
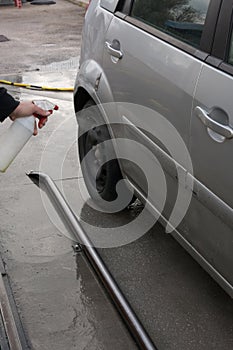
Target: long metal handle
219	128
113	52
75	228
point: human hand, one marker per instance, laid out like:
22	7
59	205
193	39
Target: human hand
28	108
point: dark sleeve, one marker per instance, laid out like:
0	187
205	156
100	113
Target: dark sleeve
7	104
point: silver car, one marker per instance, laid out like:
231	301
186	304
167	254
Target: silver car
174	58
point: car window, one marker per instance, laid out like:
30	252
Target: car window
183	19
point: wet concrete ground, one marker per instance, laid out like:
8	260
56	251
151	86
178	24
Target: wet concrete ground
39	35
61	304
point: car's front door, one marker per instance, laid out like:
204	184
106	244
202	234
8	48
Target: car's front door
153	58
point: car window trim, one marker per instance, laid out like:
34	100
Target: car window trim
207	37
209	32
224	30
221	41
124	6
226	68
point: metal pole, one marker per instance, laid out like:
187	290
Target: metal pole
75	228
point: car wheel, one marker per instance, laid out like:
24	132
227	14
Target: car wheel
91	140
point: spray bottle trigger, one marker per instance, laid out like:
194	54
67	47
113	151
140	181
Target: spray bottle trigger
42	119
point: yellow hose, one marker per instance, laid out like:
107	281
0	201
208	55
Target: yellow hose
35	87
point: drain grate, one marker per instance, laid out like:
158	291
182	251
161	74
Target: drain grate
3	38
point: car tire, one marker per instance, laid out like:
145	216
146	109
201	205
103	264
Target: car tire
109	174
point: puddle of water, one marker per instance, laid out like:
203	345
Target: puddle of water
104	324
70	64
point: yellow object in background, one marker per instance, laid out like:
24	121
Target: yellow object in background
35	87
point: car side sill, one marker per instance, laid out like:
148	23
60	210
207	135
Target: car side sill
202	193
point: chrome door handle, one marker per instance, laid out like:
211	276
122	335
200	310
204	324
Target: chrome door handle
112	51
212	124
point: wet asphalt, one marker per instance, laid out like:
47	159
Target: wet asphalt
61	303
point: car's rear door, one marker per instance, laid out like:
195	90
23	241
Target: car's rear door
210	217
153	57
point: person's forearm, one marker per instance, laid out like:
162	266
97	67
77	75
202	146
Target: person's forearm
7	104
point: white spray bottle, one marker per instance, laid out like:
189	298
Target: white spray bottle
18	134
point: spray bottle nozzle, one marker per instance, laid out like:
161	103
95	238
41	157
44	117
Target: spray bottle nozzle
46	105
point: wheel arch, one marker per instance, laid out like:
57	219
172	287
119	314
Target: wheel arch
81	97
92	84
